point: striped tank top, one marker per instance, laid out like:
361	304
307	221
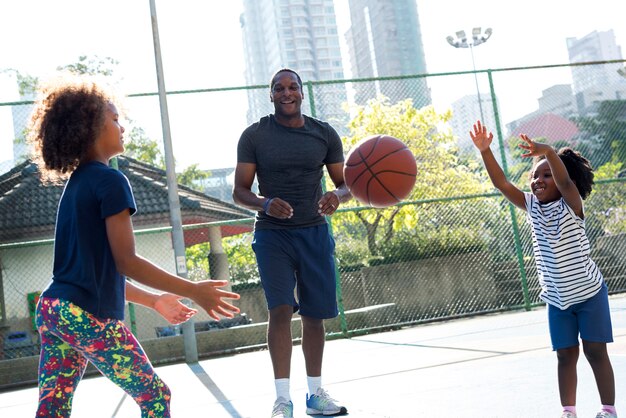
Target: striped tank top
567	274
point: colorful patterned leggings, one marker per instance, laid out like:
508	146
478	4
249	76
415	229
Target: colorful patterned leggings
70	337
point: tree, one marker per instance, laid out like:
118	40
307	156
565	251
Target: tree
440	175
91	66
139	145
603	136
142	148
192	176
28	84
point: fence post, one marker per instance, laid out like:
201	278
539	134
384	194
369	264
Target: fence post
342	314
178	240
218	260
516	236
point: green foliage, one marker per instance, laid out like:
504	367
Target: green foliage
351	252
609	170
140	147
191	175
426	134
521	166
606	209
198	261
91	66
26	84
602	136
242	261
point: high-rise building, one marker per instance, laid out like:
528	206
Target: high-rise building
599	82
385	40
596	46
466	111
301	35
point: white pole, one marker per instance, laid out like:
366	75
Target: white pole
189	334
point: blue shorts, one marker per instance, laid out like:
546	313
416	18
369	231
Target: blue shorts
302	259
591	319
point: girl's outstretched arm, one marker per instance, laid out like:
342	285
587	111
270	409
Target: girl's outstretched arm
167	304
563	182
207	293
482	141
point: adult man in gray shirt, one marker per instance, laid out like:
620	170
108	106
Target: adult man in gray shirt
287	152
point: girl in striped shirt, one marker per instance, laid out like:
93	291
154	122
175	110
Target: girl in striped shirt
571	284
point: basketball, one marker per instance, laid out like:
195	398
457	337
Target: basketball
380	171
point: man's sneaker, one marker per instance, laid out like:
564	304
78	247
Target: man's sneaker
605	414
321	403
568	414
282	408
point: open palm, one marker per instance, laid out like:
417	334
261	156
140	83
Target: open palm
481	138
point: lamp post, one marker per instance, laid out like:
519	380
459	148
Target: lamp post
460	40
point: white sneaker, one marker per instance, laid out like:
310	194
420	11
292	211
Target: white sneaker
322	404
605	414
568	414
282	408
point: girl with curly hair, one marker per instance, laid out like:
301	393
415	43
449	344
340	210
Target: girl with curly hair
76	130
571	283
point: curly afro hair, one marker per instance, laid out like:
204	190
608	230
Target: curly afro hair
68	116
578	168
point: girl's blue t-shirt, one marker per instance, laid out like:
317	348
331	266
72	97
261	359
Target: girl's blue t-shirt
84	269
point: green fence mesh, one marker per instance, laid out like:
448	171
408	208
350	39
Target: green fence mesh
452	248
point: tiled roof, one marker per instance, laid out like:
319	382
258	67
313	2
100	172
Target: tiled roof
28	206
550	126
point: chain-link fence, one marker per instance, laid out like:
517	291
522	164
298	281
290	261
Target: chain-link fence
452	248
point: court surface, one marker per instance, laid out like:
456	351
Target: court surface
498	365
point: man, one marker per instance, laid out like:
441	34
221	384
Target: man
287	151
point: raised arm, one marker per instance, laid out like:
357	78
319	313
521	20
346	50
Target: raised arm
563	182
482	141
206	293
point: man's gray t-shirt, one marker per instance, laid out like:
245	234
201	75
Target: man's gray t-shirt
289	165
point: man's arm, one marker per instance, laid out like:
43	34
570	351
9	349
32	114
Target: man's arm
331	200
243	195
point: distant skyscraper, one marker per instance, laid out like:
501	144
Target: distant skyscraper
558	99
466	111
600	82
596	46
301	35
385	41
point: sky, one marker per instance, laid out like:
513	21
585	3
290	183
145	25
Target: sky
201	48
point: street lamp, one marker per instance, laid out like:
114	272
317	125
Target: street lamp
460	40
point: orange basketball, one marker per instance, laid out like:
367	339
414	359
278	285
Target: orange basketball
380	171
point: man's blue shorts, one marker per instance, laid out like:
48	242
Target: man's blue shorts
591	319
302	259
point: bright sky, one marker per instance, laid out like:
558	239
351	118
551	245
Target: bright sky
201	48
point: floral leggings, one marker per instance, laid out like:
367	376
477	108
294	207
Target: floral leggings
70	338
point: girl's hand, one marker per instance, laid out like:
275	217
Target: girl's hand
534	149
208	295
480	137
172	309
